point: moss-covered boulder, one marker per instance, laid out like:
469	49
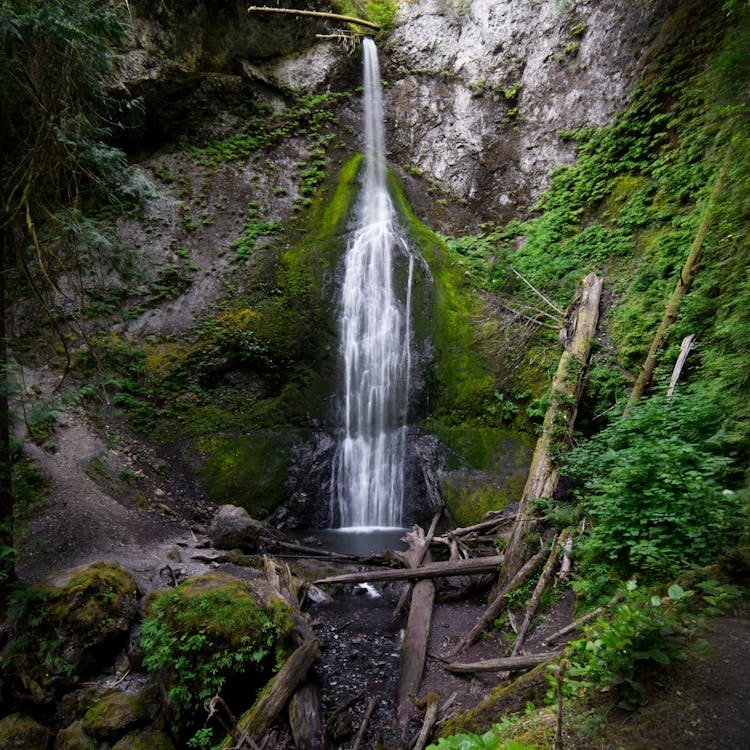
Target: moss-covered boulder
114	714
210	635
19	732
73	737
149	739
68	625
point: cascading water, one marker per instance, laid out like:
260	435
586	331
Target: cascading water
367	488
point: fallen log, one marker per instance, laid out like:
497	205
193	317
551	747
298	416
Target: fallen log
567	386
277	693
414	648
431	570
430	717
496	605
306	717
582	620
499	519
419	545
503	664
315	14
541	585
684	282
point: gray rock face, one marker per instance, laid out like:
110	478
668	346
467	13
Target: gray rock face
480	90
232	527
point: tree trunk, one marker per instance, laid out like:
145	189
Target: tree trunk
430	570
306	718
685	347
316	14
687	274
567	385
504	664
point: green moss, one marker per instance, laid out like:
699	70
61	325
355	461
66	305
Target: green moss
205	635
247	470
114	714
19	732
446	310
68	625
486	468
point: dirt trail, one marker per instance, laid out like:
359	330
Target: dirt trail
84	521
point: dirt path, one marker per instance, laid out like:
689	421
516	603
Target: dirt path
104	504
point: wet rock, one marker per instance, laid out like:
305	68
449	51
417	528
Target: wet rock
232	527
114	714
73	738
19	732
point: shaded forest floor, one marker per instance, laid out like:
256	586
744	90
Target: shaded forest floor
111	498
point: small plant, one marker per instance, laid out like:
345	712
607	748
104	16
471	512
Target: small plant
646	631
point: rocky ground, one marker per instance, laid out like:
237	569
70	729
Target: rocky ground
113	499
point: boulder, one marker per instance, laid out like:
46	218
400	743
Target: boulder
73	738
19	732
73	622
232	527
149	739
114	714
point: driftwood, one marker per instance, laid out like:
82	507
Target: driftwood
496	605
306	718
503	664
417	634
316	14
541	585
277	693
360	736
472	566
414	647
419	544
430	717
685	347
555	637
567	386
684	282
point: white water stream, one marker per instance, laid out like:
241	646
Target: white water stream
367	488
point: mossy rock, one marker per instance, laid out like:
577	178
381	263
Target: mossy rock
485	468
149	739
19	732
72	622
210	635
114	714
73	738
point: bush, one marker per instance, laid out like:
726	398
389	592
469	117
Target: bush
652	485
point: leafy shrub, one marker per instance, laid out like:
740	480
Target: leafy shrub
652	485
487	741
646	631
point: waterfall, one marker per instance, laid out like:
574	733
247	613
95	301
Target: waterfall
367	487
